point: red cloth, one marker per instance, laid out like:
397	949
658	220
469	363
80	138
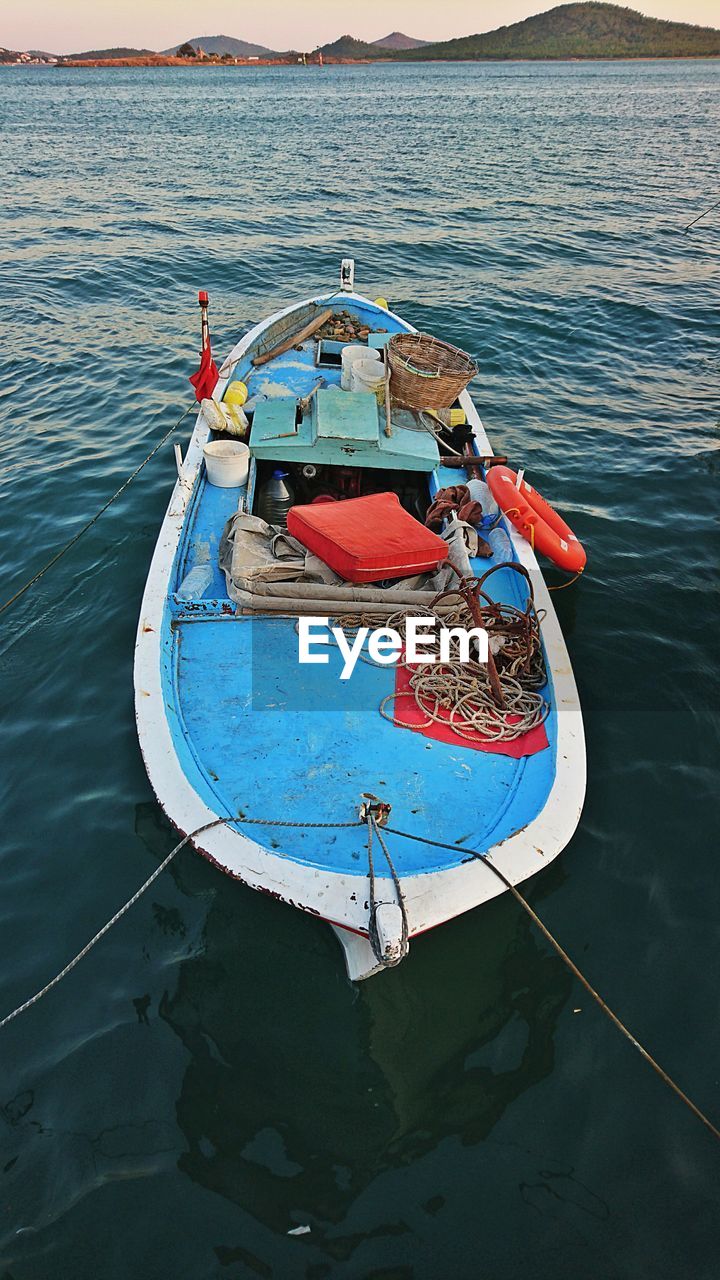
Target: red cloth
455	498
407	710
367	539
206	378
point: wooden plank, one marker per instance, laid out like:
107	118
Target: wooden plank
300	336
388	410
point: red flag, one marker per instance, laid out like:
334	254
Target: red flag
206	378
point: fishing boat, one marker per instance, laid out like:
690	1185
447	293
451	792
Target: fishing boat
298	782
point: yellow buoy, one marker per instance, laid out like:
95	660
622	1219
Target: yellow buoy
236	394
382	302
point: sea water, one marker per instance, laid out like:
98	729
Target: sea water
207	1080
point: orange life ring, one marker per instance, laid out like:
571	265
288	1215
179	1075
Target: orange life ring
536	520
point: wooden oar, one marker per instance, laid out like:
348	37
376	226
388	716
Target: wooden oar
300	336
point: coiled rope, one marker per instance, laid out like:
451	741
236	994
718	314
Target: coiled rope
459	695
63	550
406	835
461	691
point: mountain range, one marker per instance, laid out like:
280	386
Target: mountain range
584	30
396	42
577	30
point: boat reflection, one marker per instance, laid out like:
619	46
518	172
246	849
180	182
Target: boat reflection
300	1089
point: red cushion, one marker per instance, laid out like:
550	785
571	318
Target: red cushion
367	539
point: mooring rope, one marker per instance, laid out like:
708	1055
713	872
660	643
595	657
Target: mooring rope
373	826
208	826
63	550
480	857
702	215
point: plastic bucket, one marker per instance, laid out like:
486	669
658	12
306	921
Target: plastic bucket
348	358
368	375
227	463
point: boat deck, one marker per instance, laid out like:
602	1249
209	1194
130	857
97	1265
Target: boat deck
237	698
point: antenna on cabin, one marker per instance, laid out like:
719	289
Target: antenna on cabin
347	275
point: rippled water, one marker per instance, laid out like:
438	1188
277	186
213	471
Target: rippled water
207	1080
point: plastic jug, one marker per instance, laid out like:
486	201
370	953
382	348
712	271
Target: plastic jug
275	499
236	393
480	492
501	545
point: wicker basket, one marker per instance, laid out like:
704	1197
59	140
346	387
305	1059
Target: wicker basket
426	373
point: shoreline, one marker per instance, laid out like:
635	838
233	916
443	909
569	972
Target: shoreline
247	64
189	63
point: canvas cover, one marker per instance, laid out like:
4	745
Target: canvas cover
269	571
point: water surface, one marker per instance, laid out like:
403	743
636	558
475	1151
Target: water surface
207	1080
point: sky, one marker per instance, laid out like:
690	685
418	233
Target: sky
71	26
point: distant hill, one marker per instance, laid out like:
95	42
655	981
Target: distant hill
398	41
225	44
590	30
349	47
108	53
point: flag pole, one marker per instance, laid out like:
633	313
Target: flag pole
206	378
204	303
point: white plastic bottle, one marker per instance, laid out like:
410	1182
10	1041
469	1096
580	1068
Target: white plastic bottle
480	492
196	582
501	545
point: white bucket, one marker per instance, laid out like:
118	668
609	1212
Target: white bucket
227	463
368	375
348	356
